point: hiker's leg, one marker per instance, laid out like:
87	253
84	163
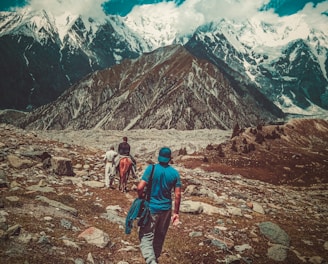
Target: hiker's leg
111	174
107	168
162	226
146	237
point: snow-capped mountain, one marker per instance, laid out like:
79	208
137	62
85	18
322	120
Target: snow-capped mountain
43	54
159	28
288	63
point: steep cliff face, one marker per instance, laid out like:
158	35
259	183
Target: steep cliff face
167	88
292	74
298	75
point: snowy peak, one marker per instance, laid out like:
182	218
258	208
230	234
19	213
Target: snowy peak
67	28
159	27
42	25
287	62
55	52
37	25
64	24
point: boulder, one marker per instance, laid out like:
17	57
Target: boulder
18	163
62	166
95	236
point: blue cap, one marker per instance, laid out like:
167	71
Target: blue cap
164	155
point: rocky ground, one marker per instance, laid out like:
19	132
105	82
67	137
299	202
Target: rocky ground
259	197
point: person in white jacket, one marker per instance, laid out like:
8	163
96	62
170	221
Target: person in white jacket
110	168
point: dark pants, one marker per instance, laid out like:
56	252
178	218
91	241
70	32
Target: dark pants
152	236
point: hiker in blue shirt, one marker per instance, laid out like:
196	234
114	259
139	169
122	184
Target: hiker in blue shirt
165	179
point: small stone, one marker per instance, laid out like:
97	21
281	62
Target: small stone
242	248
249	205
12	198
316	260
277	252
234	211
195	234
325	245
258	208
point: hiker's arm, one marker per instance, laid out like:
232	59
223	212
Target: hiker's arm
140	189
177	201
113	159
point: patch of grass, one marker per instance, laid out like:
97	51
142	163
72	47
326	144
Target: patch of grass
185	250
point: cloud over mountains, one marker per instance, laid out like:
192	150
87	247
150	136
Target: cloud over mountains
186	15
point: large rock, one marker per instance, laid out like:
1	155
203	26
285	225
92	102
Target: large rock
95	236
277	252
279	237
62	166
94	184
195	190
274	233
191	207
38	154
18	163
58	205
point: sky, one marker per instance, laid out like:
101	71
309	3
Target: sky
188	13
124	7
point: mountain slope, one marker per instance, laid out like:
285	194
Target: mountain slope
167	88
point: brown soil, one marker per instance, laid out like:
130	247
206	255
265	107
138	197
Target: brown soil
294	154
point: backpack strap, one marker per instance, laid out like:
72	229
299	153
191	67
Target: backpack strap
150	183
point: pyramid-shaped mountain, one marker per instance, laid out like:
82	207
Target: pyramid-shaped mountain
167	88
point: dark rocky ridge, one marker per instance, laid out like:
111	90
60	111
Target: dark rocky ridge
168	88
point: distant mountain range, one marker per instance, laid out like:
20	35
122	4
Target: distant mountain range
277	69
40	59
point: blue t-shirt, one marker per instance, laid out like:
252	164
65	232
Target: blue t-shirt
165	179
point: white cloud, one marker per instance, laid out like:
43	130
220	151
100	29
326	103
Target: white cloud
193	13
230	9
196	12
188	16
87	8
314	17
